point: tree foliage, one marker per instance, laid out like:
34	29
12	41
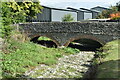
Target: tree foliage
118	5
106	13
113	10
115	16
16	12
67	18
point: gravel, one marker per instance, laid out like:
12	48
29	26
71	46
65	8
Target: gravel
71	66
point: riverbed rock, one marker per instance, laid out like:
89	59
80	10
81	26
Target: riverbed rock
71	66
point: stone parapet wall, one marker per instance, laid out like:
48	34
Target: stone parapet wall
109	28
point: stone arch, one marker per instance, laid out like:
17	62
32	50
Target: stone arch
85	37
37	36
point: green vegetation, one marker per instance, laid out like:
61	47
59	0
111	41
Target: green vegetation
110	64
113	10
67	18
106	13
16	12
116	18
71	50
19	56
44	38
118	5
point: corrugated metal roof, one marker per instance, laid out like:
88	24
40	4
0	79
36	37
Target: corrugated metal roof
100	7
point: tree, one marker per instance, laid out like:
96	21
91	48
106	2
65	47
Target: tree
118	5
113	10
106	13
67	18
16	12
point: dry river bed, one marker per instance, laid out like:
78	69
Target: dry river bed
71	66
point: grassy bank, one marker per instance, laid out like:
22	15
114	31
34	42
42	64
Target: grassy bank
110	66
18	57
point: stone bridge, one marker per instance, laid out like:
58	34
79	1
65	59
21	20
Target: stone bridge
62	33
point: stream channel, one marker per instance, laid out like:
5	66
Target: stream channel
73	66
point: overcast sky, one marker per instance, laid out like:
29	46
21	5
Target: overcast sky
78	3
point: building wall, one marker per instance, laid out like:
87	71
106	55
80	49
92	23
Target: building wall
80	15
45	16
58	14
55	15
87	16
94	14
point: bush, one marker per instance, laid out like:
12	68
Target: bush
67	18
6	31
116	18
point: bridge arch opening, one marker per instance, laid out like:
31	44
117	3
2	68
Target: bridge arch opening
44	41
85	44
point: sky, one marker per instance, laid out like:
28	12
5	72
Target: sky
78	3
